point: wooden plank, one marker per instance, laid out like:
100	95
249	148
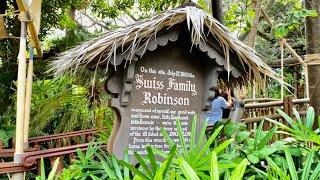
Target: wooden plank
3	32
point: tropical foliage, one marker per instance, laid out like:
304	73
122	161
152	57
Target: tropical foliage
230	152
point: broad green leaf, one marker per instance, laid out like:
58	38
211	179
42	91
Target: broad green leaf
169	160
253	159
296	114
223	145
106	167
167	138
258	134
241	136
230	128
316	173
43	171
193	132
134	170
117	168
187	170
142	163
307	166
181	138
281	31
238	172
227	174
288	118
292	168
152	159
94	177
54	169
201	136
205	148
280	125
214	172
266	139
275	167
125	169
310	117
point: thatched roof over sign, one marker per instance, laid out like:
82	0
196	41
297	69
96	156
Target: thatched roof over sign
135	38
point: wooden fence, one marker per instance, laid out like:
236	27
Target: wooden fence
50	147
258	109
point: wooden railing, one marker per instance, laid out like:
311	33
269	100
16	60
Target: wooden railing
49	147
257	110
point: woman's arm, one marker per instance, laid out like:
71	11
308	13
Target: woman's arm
229	102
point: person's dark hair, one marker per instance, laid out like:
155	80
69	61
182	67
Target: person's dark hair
216	93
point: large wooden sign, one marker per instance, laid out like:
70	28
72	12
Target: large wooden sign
169	83
165	88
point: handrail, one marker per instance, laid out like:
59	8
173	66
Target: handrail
10	167
274	103
29	159
260	118
265	104
300	101
260	99
35	140
5	153
63	135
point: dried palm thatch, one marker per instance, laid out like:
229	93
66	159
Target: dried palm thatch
130	39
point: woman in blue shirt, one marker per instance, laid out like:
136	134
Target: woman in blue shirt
217	105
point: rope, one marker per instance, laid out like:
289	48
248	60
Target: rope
24	17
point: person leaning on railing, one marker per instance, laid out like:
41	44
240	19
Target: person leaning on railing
218	103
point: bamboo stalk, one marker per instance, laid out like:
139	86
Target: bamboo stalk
282	78
28	99
21	84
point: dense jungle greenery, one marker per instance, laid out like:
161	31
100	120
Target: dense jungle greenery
73	103
230	152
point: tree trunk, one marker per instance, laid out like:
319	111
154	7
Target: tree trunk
253	30
217	10
313	46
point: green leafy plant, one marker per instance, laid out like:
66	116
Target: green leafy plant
293	21
52	173
300	129
307	173
197	153
96	164
155	170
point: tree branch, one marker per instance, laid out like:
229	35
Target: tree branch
94	21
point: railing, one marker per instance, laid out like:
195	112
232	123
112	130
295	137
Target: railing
49	147
266	108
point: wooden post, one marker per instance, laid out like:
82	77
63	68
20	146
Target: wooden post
21	84
306	76
288	105
295	83
287	108
28	100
